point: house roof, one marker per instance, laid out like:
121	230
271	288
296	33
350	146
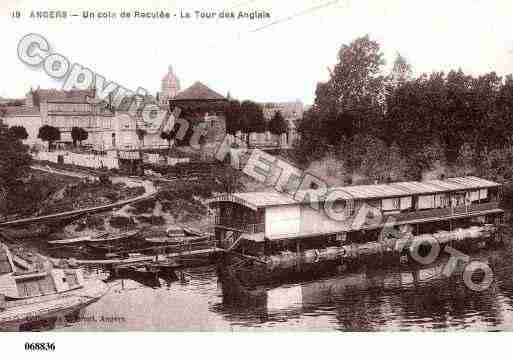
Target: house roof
73	95
198	91
256	200
13	111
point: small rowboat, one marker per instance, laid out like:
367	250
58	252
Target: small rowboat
34	297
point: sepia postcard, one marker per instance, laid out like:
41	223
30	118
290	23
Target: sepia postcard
255	166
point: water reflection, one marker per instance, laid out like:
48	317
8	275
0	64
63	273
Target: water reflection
369	299
404	297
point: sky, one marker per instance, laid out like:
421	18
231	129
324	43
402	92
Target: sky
276	59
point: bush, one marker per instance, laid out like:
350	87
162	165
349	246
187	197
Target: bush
91	222
122	222
142	207
105	179
153	220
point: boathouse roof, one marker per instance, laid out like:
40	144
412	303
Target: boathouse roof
256	200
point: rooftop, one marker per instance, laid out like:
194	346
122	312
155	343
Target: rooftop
74	95
256	200
198	91
13	111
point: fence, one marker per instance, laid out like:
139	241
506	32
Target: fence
78	159
159	159
99	161
440	213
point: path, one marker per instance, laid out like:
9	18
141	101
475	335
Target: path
149	192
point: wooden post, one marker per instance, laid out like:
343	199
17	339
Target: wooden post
298	253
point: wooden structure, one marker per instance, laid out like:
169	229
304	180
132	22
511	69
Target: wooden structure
200	104
285	228
274	215
35	295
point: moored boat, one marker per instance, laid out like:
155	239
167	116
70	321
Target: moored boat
278	235
100	238
28	297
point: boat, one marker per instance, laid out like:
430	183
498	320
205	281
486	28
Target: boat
31	297
141	273
175	231
193	232
114	237
270	236
100	238
180	235
183	240
75	240
165	240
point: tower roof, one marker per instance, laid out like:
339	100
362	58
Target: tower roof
170	74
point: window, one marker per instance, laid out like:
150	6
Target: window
350	207
5	265
406	203
426	202
47	285
71	279
441	200
474	196
28	288
390	204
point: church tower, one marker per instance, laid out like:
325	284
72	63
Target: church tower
170	86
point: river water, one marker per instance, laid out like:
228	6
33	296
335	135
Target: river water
404	297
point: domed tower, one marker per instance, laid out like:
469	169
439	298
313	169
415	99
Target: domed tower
170	86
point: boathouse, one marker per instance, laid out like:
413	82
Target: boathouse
445	204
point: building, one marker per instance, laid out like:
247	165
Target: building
63	110
276	215
68	109
118	128
199	103
25	116
107	128
170	86
11	102
291	112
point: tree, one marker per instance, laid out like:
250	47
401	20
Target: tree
465	160
356	84
278	125
19	132
14	159
252	115
351	101
141	133
228	179
50	134
233	117
78	134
